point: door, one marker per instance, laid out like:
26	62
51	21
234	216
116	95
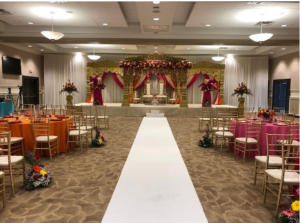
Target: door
30	90
281	93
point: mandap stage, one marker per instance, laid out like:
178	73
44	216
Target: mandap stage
140	110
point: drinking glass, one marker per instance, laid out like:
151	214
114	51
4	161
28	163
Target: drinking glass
11	114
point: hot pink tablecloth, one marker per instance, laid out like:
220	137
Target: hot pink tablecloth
266	128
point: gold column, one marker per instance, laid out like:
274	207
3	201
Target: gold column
131	88
125	102
183	78
178	90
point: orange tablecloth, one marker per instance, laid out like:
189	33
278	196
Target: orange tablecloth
57	128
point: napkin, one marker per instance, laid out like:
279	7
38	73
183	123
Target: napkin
60	116
55	119
16	121
6	116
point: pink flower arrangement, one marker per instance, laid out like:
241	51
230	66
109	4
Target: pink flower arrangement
69	87
241	90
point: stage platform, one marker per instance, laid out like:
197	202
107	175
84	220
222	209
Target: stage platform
140	110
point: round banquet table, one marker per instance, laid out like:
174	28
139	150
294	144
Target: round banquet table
265	128
24	129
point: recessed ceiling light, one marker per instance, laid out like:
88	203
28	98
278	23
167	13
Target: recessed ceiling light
283	48
155	19
207	25
236	49
188	48
155	51
30	23
42	50
271	52
156	2
283	25
76	47
29	46
155	47
123	48
105	24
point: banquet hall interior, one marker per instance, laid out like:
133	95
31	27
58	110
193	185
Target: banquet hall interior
149	111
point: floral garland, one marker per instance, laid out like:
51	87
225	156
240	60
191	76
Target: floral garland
241	90
38	176
156	64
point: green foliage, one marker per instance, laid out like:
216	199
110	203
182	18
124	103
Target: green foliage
206	140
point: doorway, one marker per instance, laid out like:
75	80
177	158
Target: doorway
281	93
30	90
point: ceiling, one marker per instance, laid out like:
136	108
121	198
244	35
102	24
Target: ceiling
183	28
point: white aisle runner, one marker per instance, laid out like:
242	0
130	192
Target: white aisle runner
155	186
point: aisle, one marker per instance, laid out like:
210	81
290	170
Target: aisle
155	186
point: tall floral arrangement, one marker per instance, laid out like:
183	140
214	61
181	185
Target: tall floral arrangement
290	214
206	140
37	175
69	87
241	90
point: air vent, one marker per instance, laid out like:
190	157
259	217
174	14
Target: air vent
4	12
156	28
264	23
156	9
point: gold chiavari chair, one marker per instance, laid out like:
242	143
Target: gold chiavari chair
102	118
68	112
227	132
279	109
217	123
205	117
84	123
90	118
273	159
10	161
42	138
288	175
249	143
288	117
56	109
75	133
2	189
43	108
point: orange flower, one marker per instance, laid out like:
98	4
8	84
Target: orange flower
36	168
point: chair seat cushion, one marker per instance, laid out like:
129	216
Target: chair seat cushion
219	128
161	96
217	118
86	127
102	116
136	99
89	116
1	173
76	132
205	119
172	99
13	139
289	177
295	143
148	96
228	134
249	140
45	138
273	160
14	159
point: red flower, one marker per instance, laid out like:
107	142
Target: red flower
35	177
37	157
46	175
36	168
282	208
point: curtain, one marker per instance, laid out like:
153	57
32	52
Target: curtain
254	72
112	93
58	69
118	79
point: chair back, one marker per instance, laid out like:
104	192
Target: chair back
4	125
100	110
161	87
73	123
40	127
56	109
5	140
253	130
219	123
135	94
68	112
80	117
290	160
294	129
288	117
274	143
279	109
89	118
148	87
228	122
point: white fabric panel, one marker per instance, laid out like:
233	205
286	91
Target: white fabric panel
112	93
254	72
194	94
57	70
155	186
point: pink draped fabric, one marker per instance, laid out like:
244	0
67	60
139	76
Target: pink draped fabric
163	76
195	77
148	76
116	79
103	77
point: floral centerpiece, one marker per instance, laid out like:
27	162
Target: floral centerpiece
37	175
69	87
266	114
96	101
99	139
206	140
207	103
290	214
99	86
241	90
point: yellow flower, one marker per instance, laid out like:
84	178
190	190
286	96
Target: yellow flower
204	134
261	112
43	172
295	206
100	140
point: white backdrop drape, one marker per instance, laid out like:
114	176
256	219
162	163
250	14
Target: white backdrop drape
254	72
58	69
112	93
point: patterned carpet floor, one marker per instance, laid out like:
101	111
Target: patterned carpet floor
83	182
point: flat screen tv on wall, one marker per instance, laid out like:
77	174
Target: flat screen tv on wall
11	65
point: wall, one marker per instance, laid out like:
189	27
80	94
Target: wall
287	67
28	60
